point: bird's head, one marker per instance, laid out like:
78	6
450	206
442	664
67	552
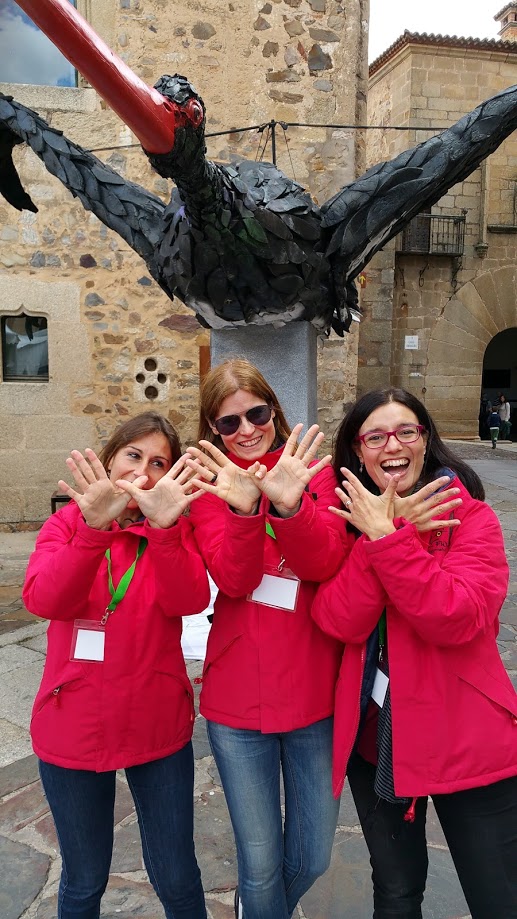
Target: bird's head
187	110
188	104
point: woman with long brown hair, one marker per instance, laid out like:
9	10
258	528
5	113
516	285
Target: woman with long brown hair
114	571
266	535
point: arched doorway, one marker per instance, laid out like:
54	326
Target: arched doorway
500	370
482	311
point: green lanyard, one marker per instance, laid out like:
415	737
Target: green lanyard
270	532
119	592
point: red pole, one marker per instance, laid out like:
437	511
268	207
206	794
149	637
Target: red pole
149	114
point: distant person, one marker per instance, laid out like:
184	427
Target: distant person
485	409
494	424
114	571
503	408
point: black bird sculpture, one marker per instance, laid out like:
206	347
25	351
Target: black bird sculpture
244	244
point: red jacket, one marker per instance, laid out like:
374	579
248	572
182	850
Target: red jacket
137	704
454	708
269	669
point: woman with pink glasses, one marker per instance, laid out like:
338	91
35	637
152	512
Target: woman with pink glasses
423	704
267	538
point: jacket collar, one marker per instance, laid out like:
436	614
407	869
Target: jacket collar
269	459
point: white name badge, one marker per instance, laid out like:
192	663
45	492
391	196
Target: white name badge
380	687
278	590
87	641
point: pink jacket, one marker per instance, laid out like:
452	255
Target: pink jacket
136	705
454	708
269	669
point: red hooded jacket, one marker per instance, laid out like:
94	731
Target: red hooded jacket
136	705
454	709
269	669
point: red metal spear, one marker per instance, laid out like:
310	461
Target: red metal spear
149	114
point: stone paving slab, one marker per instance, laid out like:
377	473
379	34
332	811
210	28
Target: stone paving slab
15	742
350	893
25	872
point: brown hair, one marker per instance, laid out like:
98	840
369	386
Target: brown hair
225	380
134	429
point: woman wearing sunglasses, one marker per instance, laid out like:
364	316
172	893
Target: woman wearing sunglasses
417	604
266	535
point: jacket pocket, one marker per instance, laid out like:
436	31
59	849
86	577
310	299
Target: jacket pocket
69	680
213	657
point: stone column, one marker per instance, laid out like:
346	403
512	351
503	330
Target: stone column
285	356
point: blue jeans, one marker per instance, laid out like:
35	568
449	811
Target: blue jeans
82	805
277	863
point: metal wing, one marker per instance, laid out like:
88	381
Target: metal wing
364	215
123	206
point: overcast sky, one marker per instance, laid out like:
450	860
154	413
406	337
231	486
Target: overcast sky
26	55
390	18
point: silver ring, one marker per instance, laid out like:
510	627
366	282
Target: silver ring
213	480
348	502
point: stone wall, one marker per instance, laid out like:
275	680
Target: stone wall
294	60
437	297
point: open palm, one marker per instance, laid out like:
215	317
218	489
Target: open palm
168	499
99	499
232	484
285	483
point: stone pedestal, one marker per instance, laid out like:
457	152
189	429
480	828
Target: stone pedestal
287	357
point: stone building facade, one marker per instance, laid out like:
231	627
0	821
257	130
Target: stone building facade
116	344
433	301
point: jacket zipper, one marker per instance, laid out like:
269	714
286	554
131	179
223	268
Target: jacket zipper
55	693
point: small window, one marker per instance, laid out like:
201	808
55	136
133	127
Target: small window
24	348
26	54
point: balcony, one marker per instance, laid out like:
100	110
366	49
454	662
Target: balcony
432	234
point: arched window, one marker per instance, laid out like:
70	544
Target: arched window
26	54
24	348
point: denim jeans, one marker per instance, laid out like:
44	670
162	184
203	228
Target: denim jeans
82	805
278	861
480	826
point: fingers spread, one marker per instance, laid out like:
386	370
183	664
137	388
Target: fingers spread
95	463
325	461
134	489
203	466
438	525
68	490
214	451
292	441
205	486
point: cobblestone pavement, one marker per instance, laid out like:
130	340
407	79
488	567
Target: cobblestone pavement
28	848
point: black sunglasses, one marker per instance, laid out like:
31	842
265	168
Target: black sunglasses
229	424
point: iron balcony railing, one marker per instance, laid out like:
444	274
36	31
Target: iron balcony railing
434	234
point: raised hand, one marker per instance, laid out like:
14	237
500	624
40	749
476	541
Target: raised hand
371	514
422	507
100	500
169	497
217	475
285	483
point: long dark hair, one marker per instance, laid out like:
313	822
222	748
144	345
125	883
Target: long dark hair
437	453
